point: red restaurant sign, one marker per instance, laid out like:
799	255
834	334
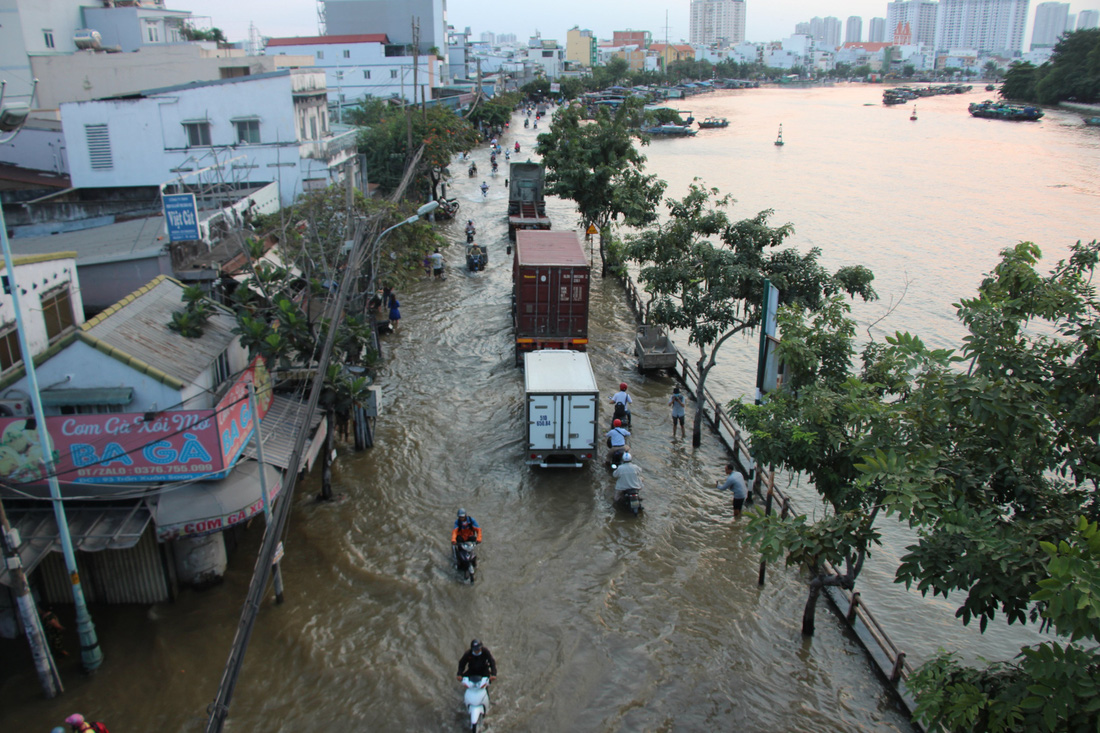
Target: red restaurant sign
234	418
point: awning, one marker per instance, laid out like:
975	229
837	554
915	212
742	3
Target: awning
88	396
279	428
214	506
92	528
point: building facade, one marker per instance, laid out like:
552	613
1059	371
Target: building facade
876	30
853	29
987	26
918	15
717	22
1050	23
580	47
1088	19
255	129
642	39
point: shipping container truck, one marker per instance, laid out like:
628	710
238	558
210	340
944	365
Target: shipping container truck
562	404
550	282
526	200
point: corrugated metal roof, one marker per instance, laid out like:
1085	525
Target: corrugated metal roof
134	239
538	247
279	428
137	326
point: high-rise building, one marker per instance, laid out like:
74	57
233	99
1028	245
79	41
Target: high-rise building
986	26
1088	19
1071	22
920	15
1050	24
830	32
392	17
717	22
853	30
632	38
580	47
489	37
876	31
802	29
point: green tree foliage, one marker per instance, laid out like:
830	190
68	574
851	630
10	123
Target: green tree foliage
705	274
496	111
1072	72
191	321
597	166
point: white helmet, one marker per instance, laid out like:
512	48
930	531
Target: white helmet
626	457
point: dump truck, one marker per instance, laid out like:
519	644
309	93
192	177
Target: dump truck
550	284
526	201
562	404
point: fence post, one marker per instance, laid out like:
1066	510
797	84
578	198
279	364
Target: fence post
899	664
852	608
764	563
786	508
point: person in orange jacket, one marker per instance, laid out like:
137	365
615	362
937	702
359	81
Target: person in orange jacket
466	529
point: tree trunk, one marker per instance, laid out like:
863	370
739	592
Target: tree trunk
811	606
603	256
700	402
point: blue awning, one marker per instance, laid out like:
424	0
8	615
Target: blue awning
87	396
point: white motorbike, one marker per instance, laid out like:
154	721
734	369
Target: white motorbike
476	698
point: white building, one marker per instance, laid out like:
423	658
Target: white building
1088	19
747	53
919	15
876	31
989	26
394	18
364	65
1050	23
547	55
49	298
853	29
717	22
256	129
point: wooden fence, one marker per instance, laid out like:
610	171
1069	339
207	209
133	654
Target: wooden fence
889	660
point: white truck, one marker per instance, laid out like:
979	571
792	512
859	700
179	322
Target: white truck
562	404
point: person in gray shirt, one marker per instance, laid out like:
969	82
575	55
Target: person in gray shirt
627	476
735	482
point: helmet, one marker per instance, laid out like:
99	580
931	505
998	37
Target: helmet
622	386
475	646
626	457
75	719
461	513
617	424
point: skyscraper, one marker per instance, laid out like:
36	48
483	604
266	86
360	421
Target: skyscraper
831	32
717	22
993	26
919	14
1050	24
876	31
853	31
1088	19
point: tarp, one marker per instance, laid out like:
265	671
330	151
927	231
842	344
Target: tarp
206	507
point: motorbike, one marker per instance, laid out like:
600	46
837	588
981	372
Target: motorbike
526	123
473	170
476	698
495	168
484	191
517	147
465	557
621	413
615	458
632	500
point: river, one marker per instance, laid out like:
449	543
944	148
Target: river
599	621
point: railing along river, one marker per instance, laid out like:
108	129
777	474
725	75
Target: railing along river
889	660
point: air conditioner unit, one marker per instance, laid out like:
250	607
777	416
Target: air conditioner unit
14	408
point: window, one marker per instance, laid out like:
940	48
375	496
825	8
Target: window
47	37
198	133
221	368
312	128
393	73
99	147
347	54
152	32
10	355
57	310
548	54
248	131
366	74
320	54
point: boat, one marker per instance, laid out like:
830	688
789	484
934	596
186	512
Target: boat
913	116
1005	111
779	140
669	130
989	87
710	123
1092	121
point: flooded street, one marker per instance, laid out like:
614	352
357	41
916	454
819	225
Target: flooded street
599	621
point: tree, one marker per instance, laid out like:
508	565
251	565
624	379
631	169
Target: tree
1019	81
714	290
598	167
1073	71
991	70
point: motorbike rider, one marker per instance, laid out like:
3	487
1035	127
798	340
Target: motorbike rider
623	399
627	476
484	189
616	437
477	662
466	529
470	231
517	146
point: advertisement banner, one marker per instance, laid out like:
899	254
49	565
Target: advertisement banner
234	418
181	214
114	448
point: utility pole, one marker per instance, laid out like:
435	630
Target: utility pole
263	483
24	601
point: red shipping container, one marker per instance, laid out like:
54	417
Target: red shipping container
550	284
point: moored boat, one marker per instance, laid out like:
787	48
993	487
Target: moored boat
669	130
710	123
1092	121
1005	111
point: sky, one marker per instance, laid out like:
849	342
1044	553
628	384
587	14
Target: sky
766	20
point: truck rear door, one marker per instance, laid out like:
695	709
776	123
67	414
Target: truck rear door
579	422
544	426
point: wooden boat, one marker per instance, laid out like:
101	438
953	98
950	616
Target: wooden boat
1005	111
779	140
710	123
1092	121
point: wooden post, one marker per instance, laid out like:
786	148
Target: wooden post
853	607
764	563
786	509
899	665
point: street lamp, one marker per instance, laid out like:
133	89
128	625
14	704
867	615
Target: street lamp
12	117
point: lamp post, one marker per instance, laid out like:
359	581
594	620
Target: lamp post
91	656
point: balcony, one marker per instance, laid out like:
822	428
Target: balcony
333	149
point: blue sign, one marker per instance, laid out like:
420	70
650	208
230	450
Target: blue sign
181	213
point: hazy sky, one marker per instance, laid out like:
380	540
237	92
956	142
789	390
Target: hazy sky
766	20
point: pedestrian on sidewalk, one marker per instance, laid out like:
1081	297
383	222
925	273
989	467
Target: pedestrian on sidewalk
735	483
676	402
437	265
395	312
